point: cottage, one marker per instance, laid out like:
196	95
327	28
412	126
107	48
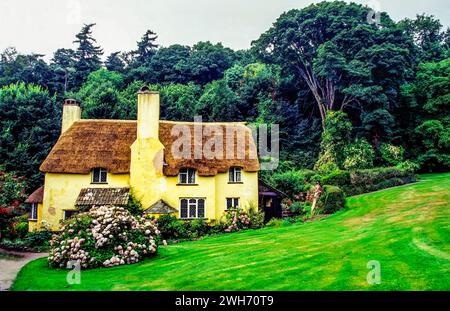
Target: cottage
188	169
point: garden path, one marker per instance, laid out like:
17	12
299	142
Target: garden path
10	264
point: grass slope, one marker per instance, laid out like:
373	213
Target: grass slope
406	229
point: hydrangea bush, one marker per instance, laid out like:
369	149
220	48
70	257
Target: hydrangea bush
236	220
104	236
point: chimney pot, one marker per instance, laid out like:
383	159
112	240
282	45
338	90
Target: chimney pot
146	90
71	102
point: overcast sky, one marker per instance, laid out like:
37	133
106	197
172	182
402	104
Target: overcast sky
42	26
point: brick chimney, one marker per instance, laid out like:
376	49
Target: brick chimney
71	113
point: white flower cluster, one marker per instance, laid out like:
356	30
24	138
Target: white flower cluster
103	231
70	250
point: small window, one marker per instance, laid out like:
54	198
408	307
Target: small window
232	203
34	211
235	174
68	214
99	176
187	176
192	208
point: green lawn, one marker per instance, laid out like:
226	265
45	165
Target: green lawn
406	229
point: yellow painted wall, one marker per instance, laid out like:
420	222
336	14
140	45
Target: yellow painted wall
205	189
33	225
146	176
247	191
62	190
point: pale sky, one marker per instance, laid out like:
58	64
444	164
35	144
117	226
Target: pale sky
43	26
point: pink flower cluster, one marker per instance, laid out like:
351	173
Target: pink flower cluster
236	220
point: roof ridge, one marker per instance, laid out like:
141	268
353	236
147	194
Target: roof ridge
160	121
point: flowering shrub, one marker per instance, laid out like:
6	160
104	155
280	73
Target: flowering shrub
104	236
236	220
303	201
358	155
12	195
391	154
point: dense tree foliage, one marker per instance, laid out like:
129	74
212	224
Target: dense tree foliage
29	127
345	92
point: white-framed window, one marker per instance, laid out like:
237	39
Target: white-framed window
192	208
235	174
69	213
99	175
34	211
187	176
232	203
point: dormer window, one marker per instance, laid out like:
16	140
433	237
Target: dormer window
187	176
235	175
99	175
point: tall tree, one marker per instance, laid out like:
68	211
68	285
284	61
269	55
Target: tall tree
87	55
428	34
114	62
63	63
207	62
146	47
29	127
331	49
31	68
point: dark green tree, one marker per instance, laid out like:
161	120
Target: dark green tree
146	48
429	36
87	56
344	62
63	67
100	95
114	62
29	127
207	62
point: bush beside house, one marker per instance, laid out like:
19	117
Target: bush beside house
105	236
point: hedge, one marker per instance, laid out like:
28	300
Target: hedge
363	181
331	200
368	180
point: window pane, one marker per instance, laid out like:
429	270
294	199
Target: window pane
183	178
34	211
229	203
201	208
238	175
96	175
231	175
68	214
103	175
236	202
191	176
192	210
184	209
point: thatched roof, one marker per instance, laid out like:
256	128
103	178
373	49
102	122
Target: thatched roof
88	144
103	196
37	196
161	208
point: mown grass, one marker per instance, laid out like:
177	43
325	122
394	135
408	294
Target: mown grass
406	229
